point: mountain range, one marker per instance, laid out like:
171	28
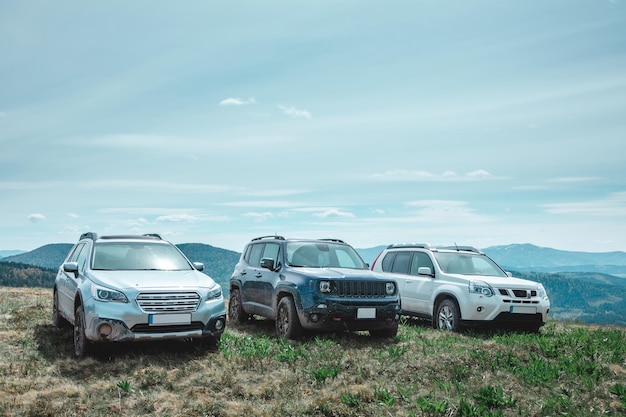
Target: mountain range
583	286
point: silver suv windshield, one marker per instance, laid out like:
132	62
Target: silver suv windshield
323	255
133	256
468	264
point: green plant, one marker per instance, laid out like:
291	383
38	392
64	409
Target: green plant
432	407
350	400
325	372
620	391
384	397
493	397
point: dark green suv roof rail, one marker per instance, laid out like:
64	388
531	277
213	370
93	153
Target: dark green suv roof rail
268	237
333	240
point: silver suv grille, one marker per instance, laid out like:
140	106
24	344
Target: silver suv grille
360	289
171	301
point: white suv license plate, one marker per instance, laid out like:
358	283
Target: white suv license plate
366	313
169	319
522	310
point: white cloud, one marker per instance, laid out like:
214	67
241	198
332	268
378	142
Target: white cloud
418	175
36	217
574	179
334	213
73	215
180	217
613	205
236	101
259	217
295	113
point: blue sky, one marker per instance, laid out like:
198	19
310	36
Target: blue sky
482	123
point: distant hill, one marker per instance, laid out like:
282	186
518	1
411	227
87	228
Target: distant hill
527	257
13	274
370	254
47	256
5	253
218	263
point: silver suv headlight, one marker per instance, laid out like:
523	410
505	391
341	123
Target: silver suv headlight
107	294
214	292
482	288
390	288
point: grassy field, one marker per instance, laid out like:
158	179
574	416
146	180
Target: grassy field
565	370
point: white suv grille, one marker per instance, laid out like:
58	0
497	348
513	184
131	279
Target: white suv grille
172	301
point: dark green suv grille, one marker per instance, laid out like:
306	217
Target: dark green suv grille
360	289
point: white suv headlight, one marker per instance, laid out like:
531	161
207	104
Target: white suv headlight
106	294
390	288
482	288
541	292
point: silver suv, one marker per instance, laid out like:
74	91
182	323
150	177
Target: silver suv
455	286
132	288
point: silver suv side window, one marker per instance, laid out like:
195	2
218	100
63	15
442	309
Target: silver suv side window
82	258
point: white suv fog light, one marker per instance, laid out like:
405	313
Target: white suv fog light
480	309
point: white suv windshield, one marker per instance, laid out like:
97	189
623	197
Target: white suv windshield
323	255
138	256
468	264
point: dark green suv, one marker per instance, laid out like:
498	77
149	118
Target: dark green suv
306	284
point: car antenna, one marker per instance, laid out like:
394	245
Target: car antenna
456	246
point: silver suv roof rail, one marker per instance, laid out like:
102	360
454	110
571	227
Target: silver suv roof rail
89	235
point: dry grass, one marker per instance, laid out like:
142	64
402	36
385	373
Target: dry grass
565	370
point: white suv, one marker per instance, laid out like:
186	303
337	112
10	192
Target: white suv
455	286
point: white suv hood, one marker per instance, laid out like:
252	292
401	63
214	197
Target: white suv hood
503	282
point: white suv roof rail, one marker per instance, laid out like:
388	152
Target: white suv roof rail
410	245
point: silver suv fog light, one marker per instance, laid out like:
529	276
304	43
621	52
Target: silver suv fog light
219	324
105	330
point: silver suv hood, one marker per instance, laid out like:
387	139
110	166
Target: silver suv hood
152	279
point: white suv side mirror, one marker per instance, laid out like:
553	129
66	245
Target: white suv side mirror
424	270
